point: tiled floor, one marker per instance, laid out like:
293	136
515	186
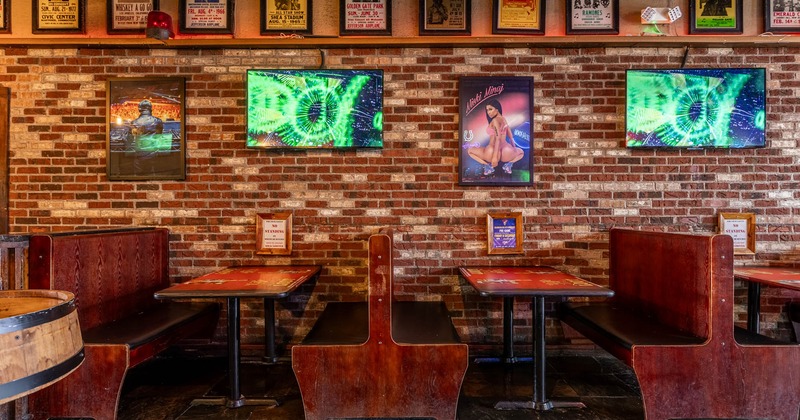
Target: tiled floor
166	388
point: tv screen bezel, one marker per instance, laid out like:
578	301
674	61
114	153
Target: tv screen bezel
695	70
379	73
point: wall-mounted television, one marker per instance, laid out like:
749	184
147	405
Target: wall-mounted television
696	108
314	108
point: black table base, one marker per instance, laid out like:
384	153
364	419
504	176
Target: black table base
540	401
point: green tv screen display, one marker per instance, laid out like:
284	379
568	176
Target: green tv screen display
314	108
696	108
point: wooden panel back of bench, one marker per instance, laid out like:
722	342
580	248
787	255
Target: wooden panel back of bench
668	276
112	273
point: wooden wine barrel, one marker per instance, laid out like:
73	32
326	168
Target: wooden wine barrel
40	340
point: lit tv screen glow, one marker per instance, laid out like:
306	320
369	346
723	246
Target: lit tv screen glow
696	108
314	108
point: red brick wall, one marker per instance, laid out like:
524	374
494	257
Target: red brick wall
586	181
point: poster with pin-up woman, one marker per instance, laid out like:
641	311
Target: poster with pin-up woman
496	127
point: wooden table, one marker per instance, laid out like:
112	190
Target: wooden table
233	283
757	276
537	282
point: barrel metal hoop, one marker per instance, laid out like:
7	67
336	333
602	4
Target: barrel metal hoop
24	385
21	322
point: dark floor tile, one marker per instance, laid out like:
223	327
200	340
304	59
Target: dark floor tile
166	388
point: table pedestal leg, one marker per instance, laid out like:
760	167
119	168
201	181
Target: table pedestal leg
235	397
270	356
540	401
508	329
753	306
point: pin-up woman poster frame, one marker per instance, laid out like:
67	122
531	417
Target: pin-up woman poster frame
496	128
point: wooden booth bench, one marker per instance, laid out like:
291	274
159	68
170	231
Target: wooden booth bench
671	319
381	358
113	275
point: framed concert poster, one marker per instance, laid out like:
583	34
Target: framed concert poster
520	17
782	16
206	17
274	234
365	17
5	16
715	16
128	16
742	228
286	16
58	16
504	233
495	113
145	122
445	17
596	18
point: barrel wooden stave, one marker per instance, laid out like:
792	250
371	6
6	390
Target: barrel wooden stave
40	340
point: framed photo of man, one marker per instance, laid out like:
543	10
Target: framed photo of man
286	16
782	16
520	17
145	122
58	16
445	17
206	16
715	16
496	126
594	17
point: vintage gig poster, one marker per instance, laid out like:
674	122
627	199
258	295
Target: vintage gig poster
59	15
207	14
445	15
597	16
784	14
713	14
365	15
518	14
130	14
286	15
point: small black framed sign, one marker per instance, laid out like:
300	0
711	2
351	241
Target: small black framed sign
598	17
365	17
782	16
715	16
59	16
206	17
286	16
128	16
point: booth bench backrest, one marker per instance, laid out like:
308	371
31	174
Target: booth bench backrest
649	272
112	276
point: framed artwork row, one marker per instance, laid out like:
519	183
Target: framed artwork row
374	17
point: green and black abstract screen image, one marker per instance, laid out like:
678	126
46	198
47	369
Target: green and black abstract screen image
696	108
314	108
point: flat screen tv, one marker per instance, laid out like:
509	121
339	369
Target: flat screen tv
314	108
696	108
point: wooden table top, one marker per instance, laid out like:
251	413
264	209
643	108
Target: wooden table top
529	281
785	277
273	281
